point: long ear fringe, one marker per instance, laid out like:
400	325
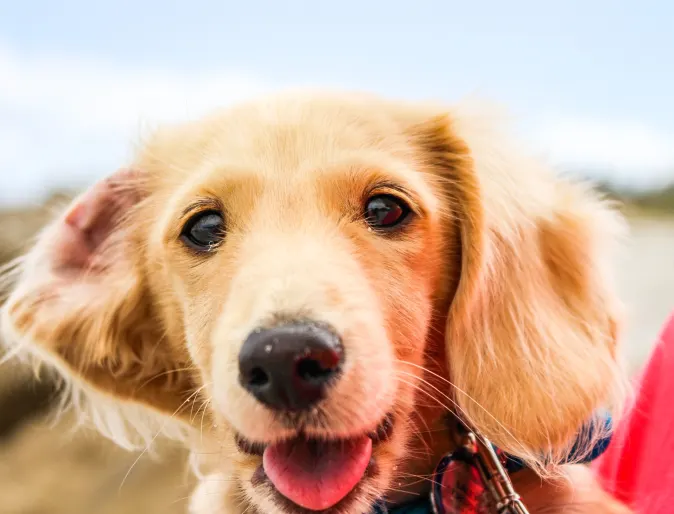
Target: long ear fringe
532	329
130	425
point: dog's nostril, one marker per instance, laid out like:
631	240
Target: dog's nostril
258	377
312	370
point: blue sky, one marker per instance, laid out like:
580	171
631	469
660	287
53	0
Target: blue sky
591	83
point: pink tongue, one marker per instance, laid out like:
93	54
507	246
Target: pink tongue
316	475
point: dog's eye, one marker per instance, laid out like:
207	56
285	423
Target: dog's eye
385	211
204	231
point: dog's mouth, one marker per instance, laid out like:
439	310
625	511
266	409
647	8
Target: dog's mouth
314	473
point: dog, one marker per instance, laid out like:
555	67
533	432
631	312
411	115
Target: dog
306	288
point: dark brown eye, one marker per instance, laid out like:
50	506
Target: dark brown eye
385	211
204	231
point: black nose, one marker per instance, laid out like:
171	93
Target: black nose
289	367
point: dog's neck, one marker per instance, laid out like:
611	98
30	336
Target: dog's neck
498	477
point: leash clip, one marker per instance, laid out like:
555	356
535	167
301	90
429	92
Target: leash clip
473	480
494	476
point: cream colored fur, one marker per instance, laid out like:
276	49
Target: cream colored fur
496	302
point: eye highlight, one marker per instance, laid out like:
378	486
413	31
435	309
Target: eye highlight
385	212
204	231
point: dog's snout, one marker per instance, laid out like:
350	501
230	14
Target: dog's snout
289	367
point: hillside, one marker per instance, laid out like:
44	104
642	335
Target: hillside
649	201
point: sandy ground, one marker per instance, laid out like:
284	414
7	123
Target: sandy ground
646	285
51	470
46	470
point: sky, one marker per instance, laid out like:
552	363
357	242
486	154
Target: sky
590	84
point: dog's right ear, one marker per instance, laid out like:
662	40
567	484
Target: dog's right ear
531	333
82	302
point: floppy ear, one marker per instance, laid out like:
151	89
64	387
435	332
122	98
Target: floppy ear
81	302
531	331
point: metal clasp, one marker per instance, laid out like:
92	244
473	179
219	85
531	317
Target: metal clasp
494	476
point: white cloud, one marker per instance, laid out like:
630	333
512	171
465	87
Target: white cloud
66	120
628	152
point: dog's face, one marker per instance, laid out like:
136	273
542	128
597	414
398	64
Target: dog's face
297	277
305	257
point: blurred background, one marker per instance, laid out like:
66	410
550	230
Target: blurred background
589	85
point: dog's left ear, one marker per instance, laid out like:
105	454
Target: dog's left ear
82	302
531	331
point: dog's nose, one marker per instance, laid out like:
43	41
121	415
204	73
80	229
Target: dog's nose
289	367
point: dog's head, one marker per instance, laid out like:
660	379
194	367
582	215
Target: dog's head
313	281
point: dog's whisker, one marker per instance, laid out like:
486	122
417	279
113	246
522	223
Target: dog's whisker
203	408
458	407
164	373
416	429
420	387
419	478
147	447
454	387
431	396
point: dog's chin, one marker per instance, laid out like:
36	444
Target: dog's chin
305	474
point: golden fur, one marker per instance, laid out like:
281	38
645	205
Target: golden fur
495	302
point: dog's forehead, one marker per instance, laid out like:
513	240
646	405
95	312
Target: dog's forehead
298	150
286	136
281	133
277	140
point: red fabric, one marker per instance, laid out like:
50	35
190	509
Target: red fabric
638	466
